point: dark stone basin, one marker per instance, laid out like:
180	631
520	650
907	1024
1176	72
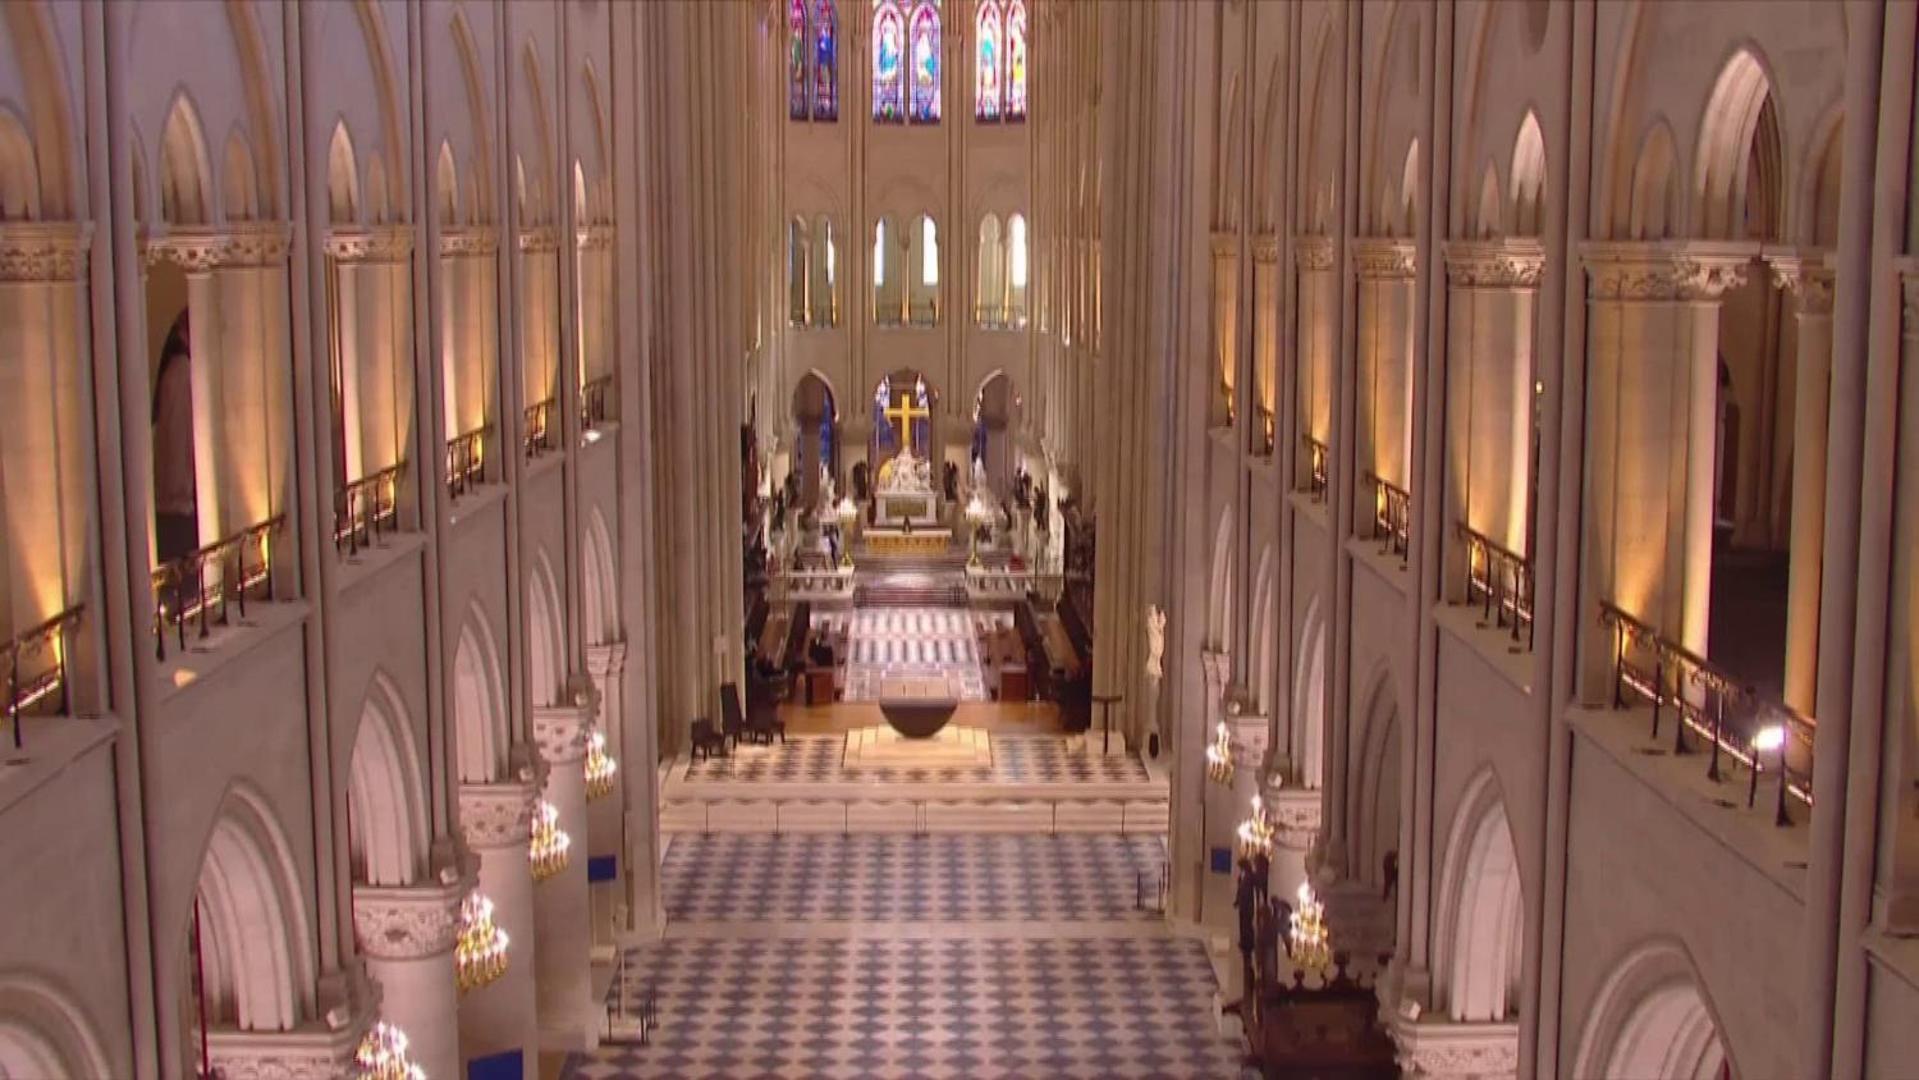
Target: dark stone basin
918	718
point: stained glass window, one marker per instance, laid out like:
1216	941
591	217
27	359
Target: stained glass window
889	53
986	63
1015	81
926	63
826	68
796	73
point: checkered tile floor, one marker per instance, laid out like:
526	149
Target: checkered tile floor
763	878
915	641
820	759
975	1009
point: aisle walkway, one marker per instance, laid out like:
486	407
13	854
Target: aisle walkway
964	957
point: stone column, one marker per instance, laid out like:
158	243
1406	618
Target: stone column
497	820
1653	346
407	935
1436	1047
1383	432
1225	806
1225	290
256	405
198	254
347	1008
1809	278
562	915
1318	338
607	813
1494	287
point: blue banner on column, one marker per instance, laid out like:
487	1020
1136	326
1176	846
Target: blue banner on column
510	1065
603	868
1222	860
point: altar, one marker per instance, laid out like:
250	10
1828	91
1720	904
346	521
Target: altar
905	492
929	542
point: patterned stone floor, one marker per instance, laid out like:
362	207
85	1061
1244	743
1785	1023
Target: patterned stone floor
912	641
820	759
761	878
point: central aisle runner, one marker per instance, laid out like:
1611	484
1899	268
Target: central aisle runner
889	642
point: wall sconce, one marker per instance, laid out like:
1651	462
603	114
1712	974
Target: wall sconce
548	849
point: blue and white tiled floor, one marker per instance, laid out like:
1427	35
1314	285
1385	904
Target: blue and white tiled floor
962	957
821	759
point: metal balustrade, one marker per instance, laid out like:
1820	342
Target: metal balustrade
1500	582
366	508
466	459
1736	720
1392	517
1315	467
204	586
28	686
593	397
538	435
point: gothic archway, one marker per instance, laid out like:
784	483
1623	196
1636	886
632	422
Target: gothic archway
479	703
1480	931
1652	1019
386	793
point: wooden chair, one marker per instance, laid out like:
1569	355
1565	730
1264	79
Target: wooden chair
706	740
732	719
763	699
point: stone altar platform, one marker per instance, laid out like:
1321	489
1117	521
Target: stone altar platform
953	746
930	541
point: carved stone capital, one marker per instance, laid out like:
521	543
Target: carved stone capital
596	236
412	922
1808	275
1217	666
316	1050
561	731
1225	244
606	659
1296	814
1266	248
34	251
1495	264
1665	271
1313	252
257	245
472	240
539	238
194	250
1382	258
1250	736
499	814
375	245
1438	1048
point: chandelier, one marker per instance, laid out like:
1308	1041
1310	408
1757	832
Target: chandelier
1312	947
600	766
480	954
1219	755
548	849
1256	832
382	1055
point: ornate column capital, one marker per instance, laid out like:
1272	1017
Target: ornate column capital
561	731
1225	243
1250	735
1495	264
44	251
1383	258
1808	274
474	240
194	249
379	244
1313	252
412	922
539	238
595	236
1664	270
1266	248
500	814
316	1050
608	658
1296	813
1438	1047
1217	666
257	245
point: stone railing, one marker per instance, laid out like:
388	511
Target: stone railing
365	508
1501	583
36	660
202	586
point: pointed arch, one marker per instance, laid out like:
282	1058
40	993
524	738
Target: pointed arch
343	178
889	62
481	123
1487	222
446	185
185	170
1309	698
545	633
1480	932
1264	582
1528	175
600	580
1652	1018
543	135
1652	210
1374	789
387	821
255	934
36	57
19	171
988	98
240	186
479	703
380	60
1737	122
1219	607
923	90
44	1032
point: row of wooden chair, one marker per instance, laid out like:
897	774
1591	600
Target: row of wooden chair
762	725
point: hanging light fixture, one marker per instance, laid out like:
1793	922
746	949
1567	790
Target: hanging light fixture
1256	832
548	849
480	954
1312	946
1219	755
600	766
382	1055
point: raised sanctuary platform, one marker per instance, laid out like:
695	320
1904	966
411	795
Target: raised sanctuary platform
886	540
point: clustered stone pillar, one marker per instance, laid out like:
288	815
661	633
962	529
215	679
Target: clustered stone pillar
498	819
407	935
1809	277
1653	338
606	813
1385	269
561	904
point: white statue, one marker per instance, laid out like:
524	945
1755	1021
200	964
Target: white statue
1155	643
829	498
979	478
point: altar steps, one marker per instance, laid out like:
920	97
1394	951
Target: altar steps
902	594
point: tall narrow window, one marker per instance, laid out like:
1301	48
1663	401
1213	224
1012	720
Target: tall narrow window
988	308
1015	50
987	59
796	80
926	63
826	66
1016	270
889	59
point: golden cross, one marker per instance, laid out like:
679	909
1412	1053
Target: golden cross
904	414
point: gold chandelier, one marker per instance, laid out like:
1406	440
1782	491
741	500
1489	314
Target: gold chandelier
548	849
480	954
1256	832
1219	755
1312	945
600	766
382	1055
